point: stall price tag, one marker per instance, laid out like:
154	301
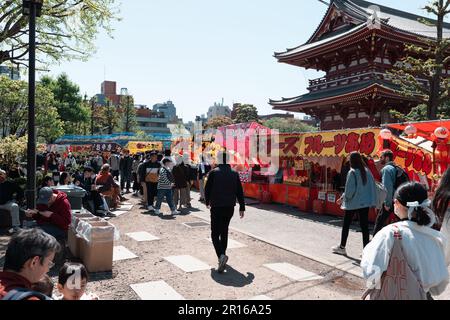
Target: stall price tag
322	196
332	198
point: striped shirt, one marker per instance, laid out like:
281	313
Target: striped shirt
166	179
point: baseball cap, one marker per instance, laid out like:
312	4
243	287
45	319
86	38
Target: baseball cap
44	195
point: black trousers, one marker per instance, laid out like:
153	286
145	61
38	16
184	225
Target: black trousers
363	221
220	221
136	185
380	222
152	192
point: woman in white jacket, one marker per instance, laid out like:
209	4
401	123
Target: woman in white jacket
422	246
441	207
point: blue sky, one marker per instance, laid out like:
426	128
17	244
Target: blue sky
196	52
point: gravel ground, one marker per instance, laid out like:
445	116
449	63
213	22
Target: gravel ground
246	276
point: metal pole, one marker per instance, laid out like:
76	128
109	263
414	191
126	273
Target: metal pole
31	150
92	116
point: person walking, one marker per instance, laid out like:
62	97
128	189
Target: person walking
126	168
165	184
441	207
181	176
114	163
359	196
148	173
221	190
202	172
392	177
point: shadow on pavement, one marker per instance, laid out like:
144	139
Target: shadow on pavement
232	278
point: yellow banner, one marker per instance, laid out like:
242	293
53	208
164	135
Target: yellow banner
340	143
137	146
290	145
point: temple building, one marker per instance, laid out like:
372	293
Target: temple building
356	44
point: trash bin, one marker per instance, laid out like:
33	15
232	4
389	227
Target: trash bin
75	195
96	245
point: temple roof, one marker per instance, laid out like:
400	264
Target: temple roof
316	96
357	14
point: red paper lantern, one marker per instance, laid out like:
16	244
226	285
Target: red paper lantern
410	131
441	133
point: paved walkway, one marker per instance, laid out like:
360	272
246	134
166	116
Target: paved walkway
309	235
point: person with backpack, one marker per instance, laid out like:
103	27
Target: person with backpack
29	256
392	177
406	260
359	196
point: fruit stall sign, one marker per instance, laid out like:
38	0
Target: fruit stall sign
137	146
341	143
290	145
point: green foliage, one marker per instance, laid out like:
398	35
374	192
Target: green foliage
66	29
108	118
14	110
218	122
420	75
288	125
246	113
12	150
128	113
71	108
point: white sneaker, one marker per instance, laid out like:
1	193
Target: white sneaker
175	212
339	250
150	208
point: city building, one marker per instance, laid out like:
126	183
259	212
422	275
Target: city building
168	108
219	110
356	48
151	121
10	72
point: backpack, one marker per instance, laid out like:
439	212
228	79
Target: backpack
401	177
398	282
24	294
381	194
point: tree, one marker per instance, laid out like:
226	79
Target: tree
420	75
246	113
71	109
14	110
108	118
66	29
288	125
218	122
128	113
12	148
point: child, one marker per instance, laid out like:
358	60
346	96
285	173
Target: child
45	286
72	282
421	246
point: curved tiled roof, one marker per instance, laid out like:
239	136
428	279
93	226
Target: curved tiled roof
359	10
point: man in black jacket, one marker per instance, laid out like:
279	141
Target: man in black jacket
126	168
222	189
7	191
148	174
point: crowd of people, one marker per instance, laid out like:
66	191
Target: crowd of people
420	236
421	231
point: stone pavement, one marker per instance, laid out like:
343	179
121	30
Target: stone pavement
308	235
